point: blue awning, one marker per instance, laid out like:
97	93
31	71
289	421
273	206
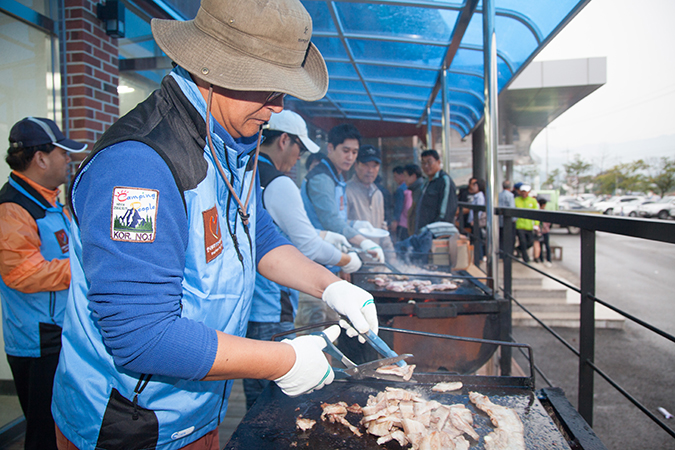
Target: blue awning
385	58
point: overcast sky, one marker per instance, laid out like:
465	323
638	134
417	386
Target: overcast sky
633	115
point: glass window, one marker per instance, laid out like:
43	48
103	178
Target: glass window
29	86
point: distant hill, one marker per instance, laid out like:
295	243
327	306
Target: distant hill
606	155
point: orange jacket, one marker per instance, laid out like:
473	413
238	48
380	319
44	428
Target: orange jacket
22	266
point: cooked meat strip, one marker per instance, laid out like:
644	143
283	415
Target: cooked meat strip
459	421
332	410
447	386
402	394
355	408
346	423
396	435
405	372
448	286
304	424
336	412
431	441
509	434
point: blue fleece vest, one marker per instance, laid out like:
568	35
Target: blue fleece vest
32	322
324	167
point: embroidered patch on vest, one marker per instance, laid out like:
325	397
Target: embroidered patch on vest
213	242
62	239
134	213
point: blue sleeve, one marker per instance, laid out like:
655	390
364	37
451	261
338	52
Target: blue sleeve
267	236
135	288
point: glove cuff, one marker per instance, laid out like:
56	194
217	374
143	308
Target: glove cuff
331	287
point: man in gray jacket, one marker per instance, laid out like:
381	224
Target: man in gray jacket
505	200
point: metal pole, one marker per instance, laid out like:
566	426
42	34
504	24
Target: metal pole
587	326
430	134
491	137
508	240
61	8
446	122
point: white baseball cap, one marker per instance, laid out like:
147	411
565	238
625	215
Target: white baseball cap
292	123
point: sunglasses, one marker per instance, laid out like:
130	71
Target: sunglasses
295	140
274	96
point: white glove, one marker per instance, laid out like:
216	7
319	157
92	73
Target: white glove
362	225
355	303
372	247
339	241
311	369
353	265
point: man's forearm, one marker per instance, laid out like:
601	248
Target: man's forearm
284	265
239	357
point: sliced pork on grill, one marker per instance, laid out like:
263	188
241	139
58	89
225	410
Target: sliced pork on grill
510	433
388	283
402	415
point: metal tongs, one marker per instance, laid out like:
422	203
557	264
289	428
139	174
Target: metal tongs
365	370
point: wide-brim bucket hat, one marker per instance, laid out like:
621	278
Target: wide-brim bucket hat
248	45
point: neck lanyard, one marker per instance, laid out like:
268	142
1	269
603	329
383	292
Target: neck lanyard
243	207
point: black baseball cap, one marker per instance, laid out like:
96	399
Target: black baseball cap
34	131
369	153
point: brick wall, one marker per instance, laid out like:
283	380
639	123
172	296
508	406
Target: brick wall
92	73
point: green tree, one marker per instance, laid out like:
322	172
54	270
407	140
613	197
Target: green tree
576	173
662	175
625	177
553	180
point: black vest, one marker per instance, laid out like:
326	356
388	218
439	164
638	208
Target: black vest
168	123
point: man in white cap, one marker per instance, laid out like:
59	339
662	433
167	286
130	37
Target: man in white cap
34	267
169	233
275	306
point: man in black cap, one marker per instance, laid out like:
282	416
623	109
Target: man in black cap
34	267
365	202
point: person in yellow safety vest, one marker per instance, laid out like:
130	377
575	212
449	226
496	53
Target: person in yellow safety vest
525	228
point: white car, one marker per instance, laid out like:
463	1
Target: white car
630	209
660	208
587	200
608	206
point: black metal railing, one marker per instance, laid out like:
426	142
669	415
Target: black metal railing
661	231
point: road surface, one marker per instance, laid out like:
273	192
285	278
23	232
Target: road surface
637	276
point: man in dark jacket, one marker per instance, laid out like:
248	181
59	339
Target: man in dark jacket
438	202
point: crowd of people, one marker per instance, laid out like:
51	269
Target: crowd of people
185	246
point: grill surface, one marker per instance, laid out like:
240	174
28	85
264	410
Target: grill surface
270	424
469	289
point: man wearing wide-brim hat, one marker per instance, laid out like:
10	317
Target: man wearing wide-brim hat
169	235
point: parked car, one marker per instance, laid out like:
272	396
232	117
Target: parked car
660	208
570	204
587	199
608	206
630	209
573	205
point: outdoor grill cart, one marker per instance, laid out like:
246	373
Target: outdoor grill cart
550	422
468	311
